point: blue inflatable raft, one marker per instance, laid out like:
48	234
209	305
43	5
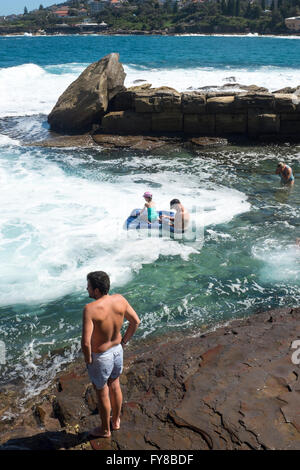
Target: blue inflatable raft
134	223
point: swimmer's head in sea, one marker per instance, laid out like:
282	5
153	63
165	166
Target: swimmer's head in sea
147	195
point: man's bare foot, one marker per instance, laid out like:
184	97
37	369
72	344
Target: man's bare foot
116	424
97	432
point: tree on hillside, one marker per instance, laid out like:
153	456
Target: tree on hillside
223	7
25	11
231	8
41	7
276	17
248	10
168	6
253	11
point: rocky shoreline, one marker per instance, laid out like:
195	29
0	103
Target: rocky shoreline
98	102
121	32
232	388
133	142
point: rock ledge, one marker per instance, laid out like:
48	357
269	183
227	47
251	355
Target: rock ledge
232	388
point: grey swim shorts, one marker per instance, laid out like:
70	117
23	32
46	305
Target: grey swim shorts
106	365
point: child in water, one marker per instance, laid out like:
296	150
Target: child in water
149	211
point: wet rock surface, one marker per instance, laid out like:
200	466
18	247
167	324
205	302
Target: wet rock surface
232	388
64	141
134	142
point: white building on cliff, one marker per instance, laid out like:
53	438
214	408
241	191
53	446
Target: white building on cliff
293	23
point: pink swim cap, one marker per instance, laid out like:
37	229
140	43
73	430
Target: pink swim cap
147	194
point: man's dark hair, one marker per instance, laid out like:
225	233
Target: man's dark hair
100	280
174	201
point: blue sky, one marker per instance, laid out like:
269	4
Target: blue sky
9	7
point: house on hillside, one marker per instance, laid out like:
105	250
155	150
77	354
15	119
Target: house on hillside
115	3
61	12
293	23
89	27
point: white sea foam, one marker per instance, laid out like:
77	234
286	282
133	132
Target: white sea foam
56	227
6	141
37	374
255	35
192	78
279	265
29	89
249	35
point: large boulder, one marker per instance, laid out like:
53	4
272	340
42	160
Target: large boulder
86	100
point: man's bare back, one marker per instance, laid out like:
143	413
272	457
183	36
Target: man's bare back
181	219
102	322
107	315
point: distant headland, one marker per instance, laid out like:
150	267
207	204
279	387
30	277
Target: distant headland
169	17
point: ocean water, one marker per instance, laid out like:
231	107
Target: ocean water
62	210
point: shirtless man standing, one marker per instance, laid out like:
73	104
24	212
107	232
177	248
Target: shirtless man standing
102	346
